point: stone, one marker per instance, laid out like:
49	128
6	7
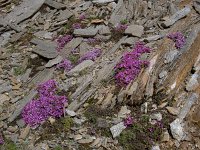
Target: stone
173	111
55	4
25	132
102	123
165	137
44	35
78	137
23	11
87	32
177	130
52	120
84	48
130	41
117	129
177	16
46	49
12	129
20	123
135	30
82	66
155	148
157	116
64	15
70	112
4	38
102	1
124	111
5	87
196	4
54	61
169	57
87	140
162	74
3	98
104	30
192	83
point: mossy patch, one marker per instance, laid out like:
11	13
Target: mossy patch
9	145
18	71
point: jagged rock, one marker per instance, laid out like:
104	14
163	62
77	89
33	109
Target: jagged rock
82	66
169	57
157	116
177	129
3	98
172	110
46	49
124	111
44	34
117	129
102	1
130	41
64	15
54	61
55	4
70	113
135	30
104	30
196	4
178	15
88	32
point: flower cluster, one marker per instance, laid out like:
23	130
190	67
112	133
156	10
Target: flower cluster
91	55
48	104
128	121
66	64
1	140
131	65
62	41
121	27
82	16
76	26
178	38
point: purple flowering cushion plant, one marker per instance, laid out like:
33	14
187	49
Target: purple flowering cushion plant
65	64
178	38
91	55
62	41
48	104
130	65
1	140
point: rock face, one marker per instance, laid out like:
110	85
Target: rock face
135	30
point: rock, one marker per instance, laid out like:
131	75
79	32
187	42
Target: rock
54	61
117	129
135	30
25	133
88	32
4	38
193	83
104	30
3	98
84	48
52	120
20	123
172	110
196	4
144	107
64	15
78	137
169	57
130	41
155	148
55	4
83	6
102	1
177	130
178	15
83	65
108	100
70	112
157	116
12	129
25	76
124	111
86	141
5	87
165	137
44	35
162	74
46	49
21	12
102	123
152	38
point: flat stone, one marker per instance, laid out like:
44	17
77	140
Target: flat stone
88	32
196	4
155	148
20	123
25	133
135	30
157	116
100	2
177	130
83	65
192	83
54	61
70	112
124	111
64	15
44	35
104	30
117	129
173	111
130	41
169	57
102	123
46	49
78	137
86	141
4	38
55	4
84	48
5	87
3	98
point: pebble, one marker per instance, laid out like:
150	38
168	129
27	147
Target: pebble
117	129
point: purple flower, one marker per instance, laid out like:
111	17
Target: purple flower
121	27
48	104
128	121
76	26
178	38
82	16
66	64
131	65
1	140
62	41
91	55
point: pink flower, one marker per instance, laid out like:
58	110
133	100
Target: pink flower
178	38
1	140
128	121
82	16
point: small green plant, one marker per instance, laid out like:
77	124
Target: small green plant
73	58
9	145
58	147
67	123
125	21
18	71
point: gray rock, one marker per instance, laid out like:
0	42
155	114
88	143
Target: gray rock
25	76
162	74
83	6
86	141
3	98
192	83
46	49
4	38
169	57
70	112
135	30
20	123
117	129
54	61
102	123
177	129
44	34
152	38
102	1
88	32
23	11
130	41
84	48
178	15
155	148
64	15
83	65
157	116
104	30
5	87
55	4
196	4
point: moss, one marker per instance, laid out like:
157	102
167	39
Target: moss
58	147
73	58
67	123
18	71
125	21
9	145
